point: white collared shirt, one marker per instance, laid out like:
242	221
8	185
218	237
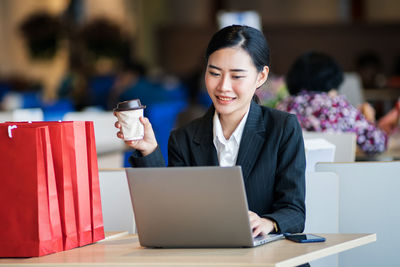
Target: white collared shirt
227	150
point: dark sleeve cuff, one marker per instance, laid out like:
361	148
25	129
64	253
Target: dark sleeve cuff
293	223
154	159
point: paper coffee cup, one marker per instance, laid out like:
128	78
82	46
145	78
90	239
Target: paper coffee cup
128	114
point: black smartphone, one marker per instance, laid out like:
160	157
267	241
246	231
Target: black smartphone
304	238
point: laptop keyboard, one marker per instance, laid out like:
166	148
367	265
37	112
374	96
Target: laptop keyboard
262	239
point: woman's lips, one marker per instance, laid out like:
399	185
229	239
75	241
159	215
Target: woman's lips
225	99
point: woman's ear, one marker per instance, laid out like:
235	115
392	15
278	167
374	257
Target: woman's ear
262	76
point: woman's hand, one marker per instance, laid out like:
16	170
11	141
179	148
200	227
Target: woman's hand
260	226
146	145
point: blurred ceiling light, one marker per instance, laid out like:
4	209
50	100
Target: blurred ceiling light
249	18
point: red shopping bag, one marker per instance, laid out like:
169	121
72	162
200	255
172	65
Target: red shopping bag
78	145
62	169
94	185
75	135
74	139
30	218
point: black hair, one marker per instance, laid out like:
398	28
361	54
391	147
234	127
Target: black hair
249	39
314	71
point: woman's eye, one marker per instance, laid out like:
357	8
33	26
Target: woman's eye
214	73
237	77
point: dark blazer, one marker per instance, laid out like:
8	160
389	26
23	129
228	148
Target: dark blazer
271	155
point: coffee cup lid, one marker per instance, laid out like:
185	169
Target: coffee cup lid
129	105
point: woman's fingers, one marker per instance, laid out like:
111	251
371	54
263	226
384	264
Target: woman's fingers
257	231
148	132
259	226
146	124
254	223
144	120
252	217
256	228
132	143
118	126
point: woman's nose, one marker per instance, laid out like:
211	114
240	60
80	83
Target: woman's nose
225	83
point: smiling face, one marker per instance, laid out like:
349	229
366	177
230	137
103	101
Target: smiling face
231	80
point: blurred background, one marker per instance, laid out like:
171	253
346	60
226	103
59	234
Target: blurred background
79	55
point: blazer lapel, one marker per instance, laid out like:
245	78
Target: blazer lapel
204	152
252	140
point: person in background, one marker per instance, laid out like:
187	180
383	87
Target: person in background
235	130
312	81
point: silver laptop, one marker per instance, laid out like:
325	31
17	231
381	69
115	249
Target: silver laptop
192	207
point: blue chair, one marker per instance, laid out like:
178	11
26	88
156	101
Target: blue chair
163	117
31	100
4	89
55	111
99	90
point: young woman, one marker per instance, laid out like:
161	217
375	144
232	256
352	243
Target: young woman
266	143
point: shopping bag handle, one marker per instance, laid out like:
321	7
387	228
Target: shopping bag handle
10	128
